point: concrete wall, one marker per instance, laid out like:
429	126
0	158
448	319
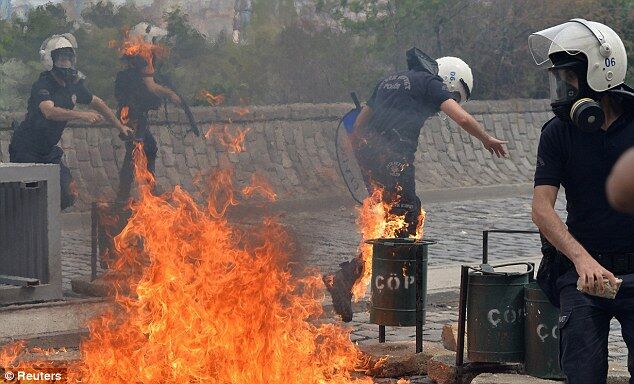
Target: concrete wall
292	146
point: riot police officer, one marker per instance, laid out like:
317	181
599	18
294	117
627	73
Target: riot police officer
137	93
386	136
51	106
593	126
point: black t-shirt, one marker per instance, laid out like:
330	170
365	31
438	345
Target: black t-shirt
581	163
130	90
36	132
401	103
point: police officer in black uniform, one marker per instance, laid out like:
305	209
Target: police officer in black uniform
386	138
50	107
592	128
137	93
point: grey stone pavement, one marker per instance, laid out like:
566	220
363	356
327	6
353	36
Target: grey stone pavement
328	237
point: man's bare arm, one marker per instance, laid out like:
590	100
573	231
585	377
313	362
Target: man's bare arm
161	90
471	126
551	226
620	186
51	112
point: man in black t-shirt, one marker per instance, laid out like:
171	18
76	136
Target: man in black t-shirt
385	140
51	106
137	93
592	128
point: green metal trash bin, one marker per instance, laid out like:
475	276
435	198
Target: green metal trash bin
495	314
394	282
541	335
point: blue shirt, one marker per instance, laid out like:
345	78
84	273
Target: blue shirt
581	162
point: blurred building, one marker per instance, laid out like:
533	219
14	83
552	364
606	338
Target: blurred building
5	9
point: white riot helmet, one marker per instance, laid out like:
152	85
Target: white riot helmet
66	40
457	76
585	58
147	32
601	46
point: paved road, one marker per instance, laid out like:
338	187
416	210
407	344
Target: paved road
330	237
326	238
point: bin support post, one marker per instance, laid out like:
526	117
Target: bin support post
462	316
381	333
421	281
94	233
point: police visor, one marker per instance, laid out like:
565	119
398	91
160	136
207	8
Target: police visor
64	57
564	84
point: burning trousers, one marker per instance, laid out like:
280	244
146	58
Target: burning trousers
126	174
21	153
584	325
395	174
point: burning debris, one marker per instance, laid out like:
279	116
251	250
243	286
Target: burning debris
375	221
194	303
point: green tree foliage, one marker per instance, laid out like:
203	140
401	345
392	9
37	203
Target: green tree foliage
319	52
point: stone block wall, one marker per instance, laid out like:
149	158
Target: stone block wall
293	147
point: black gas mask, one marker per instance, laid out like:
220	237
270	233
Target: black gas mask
64	61
571	98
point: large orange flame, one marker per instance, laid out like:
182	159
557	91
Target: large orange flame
196	304
375	221
137	46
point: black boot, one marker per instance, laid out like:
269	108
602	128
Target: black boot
340	285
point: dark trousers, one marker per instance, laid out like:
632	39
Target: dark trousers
584	324
394	173
126	174
22	153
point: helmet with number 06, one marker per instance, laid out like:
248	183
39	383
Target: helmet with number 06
600	46
457	76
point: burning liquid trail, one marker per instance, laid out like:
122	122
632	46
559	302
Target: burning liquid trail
196	304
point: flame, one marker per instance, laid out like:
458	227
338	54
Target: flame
260	186
212	99
235	143
241	111
375	221
74	191
137	46
196	304
124	115
15	357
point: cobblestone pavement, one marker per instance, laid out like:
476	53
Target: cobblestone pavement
326	238
457	226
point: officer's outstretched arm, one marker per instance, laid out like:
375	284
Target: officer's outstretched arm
470	124
100	106
620	186
51	112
